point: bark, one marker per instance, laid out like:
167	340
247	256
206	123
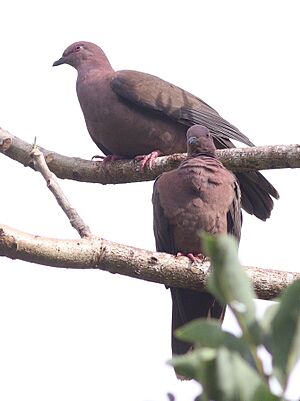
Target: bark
98	253
74	168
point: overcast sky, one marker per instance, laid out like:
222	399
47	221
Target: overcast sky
89	335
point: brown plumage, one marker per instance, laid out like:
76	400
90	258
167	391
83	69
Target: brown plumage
200	195
130	113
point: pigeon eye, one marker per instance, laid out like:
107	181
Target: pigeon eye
77	48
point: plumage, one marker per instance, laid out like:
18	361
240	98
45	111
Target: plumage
200	195
131	113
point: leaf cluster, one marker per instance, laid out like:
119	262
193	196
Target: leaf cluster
229	367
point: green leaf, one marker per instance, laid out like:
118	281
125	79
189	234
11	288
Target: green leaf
223	375
285	333
198	365
208	333
230	284
266	322
237	381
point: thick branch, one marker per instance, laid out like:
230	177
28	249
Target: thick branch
242	159
52	183
98	253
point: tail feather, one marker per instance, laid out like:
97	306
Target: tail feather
256	194
189	305
257	191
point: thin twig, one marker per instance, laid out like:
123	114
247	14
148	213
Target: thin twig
52	183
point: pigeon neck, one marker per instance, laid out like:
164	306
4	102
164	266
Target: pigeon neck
96	64
209	153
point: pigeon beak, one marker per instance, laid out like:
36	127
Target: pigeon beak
58	62
192	140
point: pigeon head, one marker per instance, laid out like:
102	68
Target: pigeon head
81	54
200	141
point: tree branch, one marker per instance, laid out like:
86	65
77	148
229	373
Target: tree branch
241	159
52	183
98	253
95	252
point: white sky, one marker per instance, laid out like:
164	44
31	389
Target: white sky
88	335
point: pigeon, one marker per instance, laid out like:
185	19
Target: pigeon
131	114
201	195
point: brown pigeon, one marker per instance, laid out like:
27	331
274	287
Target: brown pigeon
130	114
200	195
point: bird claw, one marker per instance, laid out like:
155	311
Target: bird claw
96	157
147	160
193	258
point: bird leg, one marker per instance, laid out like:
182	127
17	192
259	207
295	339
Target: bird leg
199	257
147	160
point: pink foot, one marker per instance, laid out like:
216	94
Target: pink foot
147	160
109	158
193	258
